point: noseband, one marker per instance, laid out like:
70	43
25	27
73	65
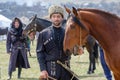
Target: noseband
31	30
75	48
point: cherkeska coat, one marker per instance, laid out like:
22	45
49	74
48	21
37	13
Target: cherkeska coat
16	45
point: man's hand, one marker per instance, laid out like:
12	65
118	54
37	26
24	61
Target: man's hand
9	52
44	75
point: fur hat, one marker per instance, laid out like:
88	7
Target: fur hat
56	9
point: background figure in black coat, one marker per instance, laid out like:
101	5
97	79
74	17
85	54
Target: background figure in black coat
17	48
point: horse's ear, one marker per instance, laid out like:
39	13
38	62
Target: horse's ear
74	10
67	9
34	17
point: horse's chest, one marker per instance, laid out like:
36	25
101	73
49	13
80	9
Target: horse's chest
113	60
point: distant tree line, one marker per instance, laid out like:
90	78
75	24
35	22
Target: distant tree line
12	9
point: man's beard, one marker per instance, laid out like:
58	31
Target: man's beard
56	24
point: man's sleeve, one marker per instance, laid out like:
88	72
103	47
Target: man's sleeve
41	52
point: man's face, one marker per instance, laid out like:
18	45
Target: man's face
16	24
56	19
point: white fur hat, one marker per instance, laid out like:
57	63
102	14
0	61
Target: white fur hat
55	9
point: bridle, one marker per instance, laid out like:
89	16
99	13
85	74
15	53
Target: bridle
75	19
80	36
77	47
33	29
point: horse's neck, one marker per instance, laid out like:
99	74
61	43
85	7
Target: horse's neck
42	24
107	33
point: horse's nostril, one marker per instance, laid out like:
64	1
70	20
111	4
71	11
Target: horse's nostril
75	54
67	52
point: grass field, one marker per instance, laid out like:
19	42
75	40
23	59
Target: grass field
79	64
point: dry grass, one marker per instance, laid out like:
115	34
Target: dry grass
79	64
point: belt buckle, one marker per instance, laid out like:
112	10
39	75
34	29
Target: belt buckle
19	48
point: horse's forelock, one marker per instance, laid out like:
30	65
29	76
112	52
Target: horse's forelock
28	27
76	20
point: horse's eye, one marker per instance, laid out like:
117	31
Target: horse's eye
72	27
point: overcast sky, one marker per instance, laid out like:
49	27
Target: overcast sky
31	2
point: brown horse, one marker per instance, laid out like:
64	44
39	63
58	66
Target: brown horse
104	26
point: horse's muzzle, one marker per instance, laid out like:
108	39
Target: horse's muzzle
77	50
68	52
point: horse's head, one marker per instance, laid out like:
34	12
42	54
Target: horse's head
30	29
36	24
75	33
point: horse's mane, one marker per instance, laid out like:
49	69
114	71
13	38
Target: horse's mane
44	22
47	23
101	12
